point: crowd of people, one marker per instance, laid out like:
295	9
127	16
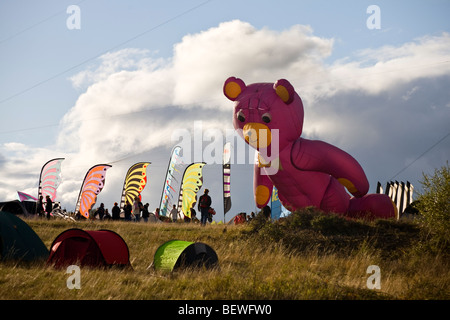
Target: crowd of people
243	218
137	211
44	210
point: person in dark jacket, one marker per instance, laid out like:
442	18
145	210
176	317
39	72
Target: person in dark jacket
127	210
115	212
204	203
100	211
145	213
40	206
48	206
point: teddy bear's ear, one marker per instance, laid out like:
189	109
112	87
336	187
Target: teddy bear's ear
233	87
284	90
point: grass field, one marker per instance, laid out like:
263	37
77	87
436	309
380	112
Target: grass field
308	256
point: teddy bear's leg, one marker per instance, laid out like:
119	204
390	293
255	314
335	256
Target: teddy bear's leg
372	206
335	198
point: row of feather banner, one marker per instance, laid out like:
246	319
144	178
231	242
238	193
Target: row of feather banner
135	182
186	188
191	183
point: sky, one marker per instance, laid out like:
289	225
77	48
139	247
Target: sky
120	82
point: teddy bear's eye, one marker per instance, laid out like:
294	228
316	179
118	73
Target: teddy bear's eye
240	116
266	117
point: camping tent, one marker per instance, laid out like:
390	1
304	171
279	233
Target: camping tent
18	240
176	253
18	207
100	248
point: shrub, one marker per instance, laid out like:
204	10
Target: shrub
434	205
310	229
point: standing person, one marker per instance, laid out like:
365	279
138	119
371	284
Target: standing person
115	212
40	206
100	211
174	213
136	208
145	213
127	210
48	206
204	204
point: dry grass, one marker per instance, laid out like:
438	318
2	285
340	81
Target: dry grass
251	267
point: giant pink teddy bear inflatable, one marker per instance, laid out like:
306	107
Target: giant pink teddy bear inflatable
306	172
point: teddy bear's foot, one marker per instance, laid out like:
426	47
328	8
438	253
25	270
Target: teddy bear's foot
372	206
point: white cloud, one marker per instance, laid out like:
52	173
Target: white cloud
391	66
375	105
14	146
112	62
203	61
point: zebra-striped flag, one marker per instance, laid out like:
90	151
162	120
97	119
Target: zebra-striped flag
399	192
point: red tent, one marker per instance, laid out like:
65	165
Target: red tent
100	248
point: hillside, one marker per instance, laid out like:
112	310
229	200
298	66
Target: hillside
305	256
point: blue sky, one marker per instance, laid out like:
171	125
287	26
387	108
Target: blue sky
39	56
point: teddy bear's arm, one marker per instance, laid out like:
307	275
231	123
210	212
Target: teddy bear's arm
315	155
262	187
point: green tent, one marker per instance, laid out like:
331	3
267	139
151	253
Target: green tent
180	254
18	241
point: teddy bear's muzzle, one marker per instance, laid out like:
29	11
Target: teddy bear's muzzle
257	135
